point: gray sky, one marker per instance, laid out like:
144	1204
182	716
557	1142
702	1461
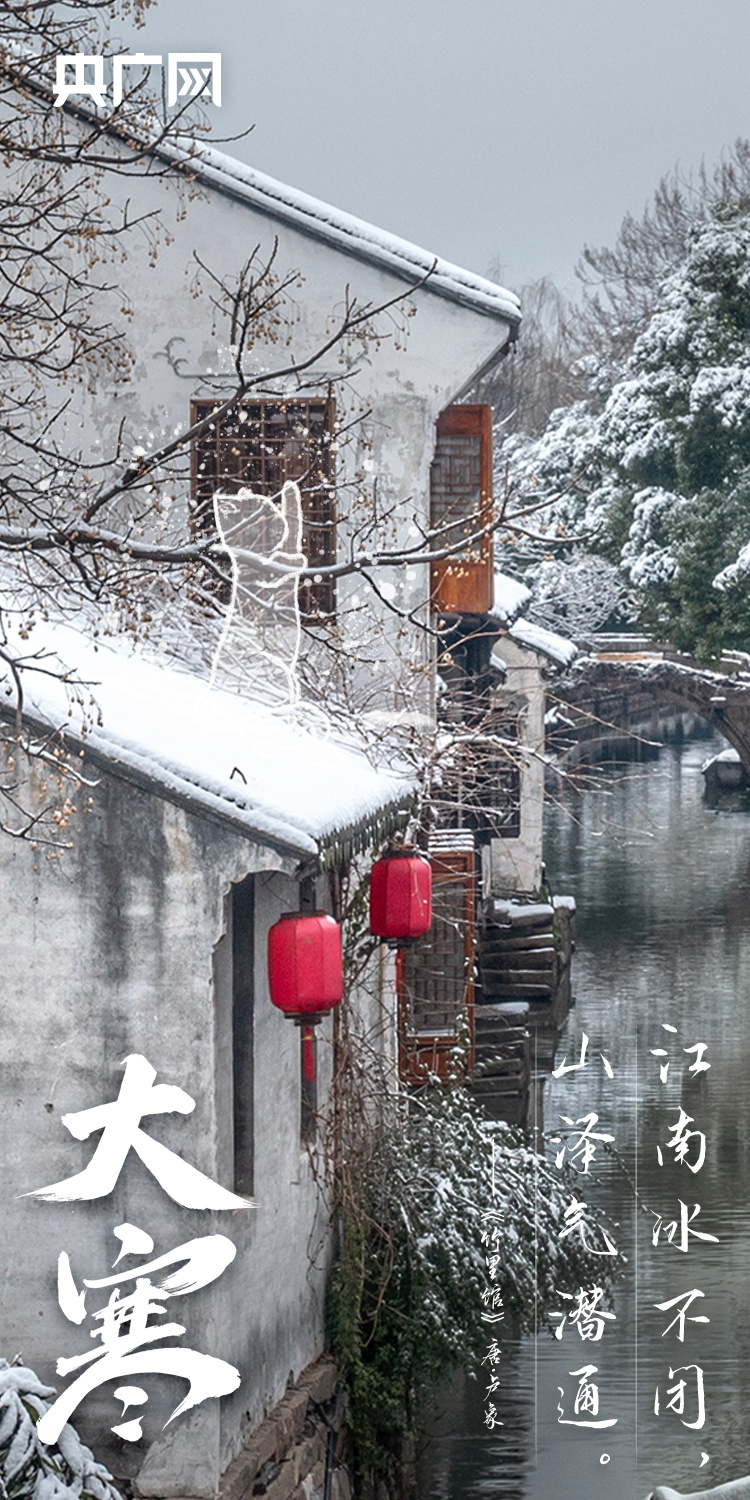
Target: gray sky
509	130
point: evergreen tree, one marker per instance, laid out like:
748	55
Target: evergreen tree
659	477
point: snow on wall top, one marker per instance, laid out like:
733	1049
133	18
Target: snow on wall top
538	638
222	752
355	236
509	598
314	217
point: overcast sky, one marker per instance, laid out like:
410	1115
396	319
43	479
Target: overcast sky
485	130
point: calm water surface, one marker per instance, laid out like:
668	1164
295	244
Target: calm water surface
663	891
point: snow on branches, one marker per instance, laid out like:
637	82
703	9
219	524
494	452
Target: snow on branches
29	1468
656	468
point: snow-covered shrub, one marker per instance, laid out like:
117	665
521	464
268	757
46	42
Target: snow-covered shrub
577	593
29	1469
414	1180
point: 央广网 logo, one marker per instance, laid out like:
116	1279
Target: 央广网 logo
189	75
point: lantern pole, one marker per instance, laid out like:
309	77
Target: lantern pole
309	1077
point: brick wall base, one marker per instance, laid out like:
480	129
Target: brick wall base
287	1456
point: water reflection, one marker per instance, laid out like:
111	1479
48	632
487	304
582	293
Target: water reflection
661	881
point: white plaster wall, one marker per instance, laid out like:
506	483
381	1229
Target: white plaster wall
401	382
444	344
273	1324
516	864
108	952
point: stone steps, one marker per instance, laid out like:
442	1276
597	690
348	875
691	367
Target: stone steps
502	1061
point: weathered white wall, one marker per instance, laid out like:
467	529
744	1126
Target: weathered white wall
444	343
110	950
516	864
107	952
398	385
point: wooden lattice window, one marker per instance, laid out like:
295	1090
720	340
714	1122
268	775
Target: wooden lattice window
260	445
460	505
436	983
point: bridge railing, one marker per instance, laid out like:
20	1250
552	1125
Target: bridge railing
737	1489
644	647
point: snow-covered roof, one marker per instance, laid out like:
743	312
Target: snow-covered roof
728	757
313	217
355	236
289	788
548	642
508	599
520	913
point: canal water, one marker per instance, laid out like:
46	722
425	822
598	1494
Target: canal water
662	885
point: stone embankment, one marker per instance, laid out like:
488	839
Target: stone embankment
524	951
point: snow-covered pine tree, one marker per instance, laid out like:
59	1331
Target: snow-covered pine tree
29	1469
658	477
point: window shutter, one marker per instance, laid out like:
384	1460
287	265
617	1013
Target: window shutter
260	444
461	502
436	973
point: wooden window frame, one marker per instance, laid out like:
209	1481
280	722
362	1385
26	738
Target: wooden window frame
464	583
243	1033
425	1052
256	463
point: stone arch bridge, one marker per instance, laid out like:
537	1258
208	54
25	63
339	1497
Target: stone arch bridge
600	694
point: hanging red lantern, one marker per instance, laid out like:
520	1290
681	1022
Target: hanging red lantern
305	971
401	897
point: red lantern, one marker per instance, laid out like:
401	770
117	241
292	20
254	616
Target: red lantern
401	897
305	971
